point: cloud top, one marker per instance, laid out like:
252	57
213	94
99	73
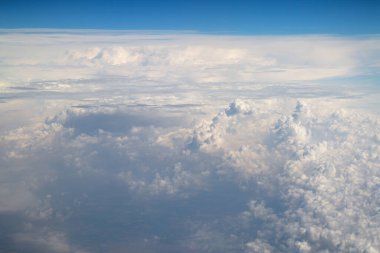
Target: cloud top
131	142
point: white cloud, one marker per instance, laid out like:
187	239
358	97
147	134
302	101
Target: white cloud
172	143
238	106
168	57
320	166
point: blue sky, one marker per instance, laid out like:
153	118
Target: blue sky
233	17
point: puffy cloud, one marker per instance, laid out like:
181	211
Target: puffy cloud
259	246
185	57
238	106
310	178
176	145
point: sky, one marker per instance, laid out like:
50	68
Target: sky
189	127
233	17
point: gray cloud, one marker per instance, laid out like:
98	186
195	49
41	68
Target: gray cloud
292	181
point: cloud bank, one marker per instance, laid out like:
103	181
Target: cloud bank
129	142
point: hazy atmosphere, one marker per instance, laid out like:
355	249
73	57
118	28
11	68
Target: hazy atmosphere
145	139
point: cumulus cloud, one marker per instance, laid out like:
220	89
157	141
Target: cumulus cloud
174	144
318	171
199	58
238	106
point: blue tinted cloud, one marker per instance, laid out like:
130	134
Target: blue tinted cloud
148	154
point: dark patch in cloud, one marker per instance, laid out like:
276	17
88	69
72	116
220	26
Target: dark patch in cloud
117	123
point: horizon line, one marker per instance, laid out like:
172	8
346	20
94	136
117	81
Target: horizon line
174	32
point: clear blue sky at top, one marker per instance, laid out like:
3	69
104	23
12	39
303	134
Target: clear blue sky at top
235	17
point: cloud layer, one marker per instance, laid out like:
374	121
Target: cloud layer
168	143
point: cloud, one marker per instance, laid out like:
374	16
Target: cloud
199	58
296	59
238	106
296	162
167	143
44	242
